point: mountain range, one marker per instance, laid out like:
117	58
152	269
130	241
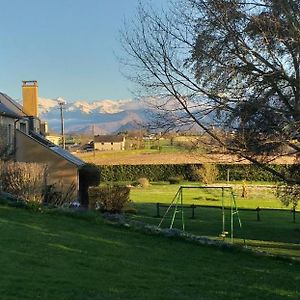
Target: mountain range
103	116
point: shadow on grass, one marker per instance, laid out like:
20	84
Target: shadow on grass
82	259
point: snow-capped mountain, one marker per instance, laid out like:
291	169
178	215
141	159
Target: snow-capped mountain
107	116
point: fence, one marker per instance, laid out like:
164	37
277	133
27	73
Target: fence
257	210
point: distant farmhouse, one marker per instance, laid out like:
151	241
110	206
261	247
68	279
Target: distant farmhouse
109	142
53	138
22	134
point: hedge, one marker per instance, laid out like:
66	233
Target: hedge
164	172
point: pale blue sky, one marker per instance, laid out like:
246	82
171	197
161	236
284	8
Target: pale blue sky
67	45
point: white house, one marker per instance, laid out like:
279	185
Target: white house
109	142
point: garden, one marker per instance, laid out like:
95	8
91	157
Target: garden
80	256
55	251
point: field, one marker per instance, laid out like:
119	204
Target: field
58	257
167	155
258	195
275	232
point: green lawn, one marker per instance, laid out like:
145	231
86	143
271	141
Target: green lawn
275	232
263	197
47	256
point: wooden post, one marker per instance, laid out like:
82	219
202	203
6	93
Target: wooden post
157	210
257	214
294	215
193	211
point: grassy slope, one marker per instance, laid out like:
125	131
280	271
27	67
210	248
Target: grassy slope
57	257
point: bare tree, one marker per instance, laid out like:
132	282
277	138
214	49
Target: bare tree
232	62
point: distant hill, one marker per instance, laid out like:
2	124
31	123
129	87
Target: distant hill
107	116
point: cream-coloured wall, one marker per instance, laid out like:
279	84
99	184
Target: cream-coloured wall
109	146
60	170
54	139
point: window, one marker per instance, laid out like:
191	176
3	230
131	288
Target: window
9	136
23	127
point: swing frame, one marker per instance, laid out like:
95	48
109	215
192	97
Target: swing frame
177	202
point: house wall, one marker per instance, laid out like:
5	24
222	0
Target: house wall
54	139
111	146
61	172
6	131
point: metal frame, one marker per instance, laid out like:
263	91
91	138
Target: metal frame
177	202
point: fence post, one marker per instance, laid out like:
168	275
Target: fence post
294	215
257	214
193	211
157	210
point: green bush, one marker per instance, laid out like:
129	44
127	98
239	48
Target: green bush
208	173
110	199
237	172
134	172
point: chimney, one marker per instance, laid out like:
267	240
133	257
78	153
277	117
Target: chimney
30	98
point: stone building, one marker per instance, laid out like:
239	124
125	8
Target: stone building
22	135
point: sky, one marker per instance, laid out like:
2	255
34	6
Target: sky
68	46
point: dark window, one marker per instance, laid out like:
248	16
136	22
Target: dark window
9	134
23	127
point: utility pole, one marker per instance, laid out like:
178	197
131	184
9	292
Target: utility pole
61	102
94	141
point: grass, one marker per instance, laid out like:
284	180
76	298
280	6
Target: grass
275	233
57	257
263	197
166	154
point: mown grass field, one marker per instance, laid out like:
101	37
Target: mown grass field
258	194
275	232
47	256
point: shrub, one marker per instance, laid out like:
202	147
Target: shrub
89	175
175	179
110	199
208	173
58	195
163	172
25	180
143	182
288	194
134	183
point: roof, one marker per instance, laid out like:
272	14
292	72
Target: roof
109	138
4	111
67	155
58	150
11	105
